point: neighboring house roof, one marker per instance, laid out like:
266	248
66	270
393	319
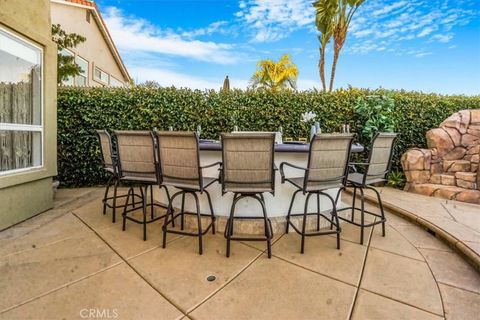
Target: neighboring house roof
83	2
90	5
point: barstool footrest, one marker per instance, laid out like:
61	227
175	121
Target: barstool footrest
365	224
315	233
191	234
141	221
360	210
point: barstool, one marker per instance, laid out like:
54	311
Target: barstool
110	165
374	170
180	168
248	171
326	169
137	165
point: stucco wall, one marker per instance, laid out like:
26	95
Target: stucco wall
28	193
95	50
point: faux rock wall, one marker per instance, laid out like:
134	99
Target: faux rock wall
449	167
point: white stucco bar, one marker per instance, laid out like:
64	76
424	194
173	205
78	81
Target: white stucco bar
277	204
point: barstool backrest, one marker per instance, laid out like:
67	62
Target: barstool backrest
136	154
328	160
179	158
381	153
106	149
248	162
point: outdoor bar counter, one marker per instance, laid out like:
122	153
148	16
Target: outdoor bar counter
277	205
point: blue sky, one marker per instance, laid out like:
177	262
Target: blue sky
424	45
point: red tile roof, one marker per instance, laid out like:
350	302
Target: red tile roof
83	2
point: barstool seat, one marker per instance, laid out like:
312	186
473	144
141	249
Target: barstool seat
357	179
300	181
188	185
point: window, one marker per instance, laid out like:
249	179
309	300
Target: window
21	96
81	79
69	80
116	83
101	76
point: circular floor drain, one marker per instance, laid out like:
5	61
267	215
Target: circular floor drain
211	278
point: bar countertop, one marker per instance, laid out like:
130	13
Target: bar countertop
210	145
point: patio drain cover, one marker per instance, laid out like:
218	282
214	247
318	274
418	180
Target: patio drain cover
211	278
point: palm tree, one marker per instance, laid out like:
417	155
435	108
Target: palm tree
345	12
333	18
325	22
275	75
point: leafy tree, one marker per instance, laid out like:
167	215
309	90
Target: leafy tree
152	84
275	75
66	66
333	18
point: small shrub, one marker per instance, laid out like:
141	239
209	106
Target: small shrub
396	179
376	114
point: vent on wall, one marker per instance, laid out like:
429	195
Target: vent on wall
88	16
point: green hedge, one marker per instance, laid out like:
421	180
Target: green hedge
81	111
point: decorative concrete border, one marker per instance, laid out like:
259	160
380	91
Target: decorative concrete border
470	255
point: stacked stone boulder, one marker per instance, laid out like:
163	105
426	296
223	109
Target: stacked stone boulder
449	168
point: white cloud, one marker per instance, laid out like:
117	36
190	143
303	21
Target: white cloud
306	84
168	78
389	8
444	38
403	21
426	32
363	33
272	20
209	30
137	35
422	54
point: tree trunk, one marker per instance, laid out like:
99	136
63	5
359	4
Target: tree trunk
321	67
334	68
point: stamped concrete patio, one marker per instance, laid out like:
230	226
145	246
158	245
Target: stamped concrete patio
73	263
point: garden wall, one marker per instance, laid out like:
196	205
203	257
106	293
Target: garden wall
82	110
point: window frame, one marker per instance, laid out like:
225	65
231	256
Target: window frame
122	86
99	80
29	127
86	71
64	83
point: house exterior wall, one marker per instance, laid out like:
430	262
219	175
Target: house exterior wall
25	194
95	49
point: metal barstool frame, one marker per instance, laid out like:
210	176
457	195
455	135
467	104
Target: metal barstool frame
363	185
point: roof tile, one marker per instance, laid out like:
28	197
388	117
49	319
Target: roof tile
83	2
